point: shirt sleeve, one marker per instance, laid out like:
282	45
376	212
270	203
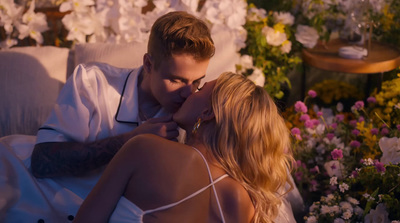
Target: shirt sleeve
71	115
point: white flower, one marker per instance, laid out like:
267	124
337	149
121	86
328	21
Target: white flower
390	148
344	205
79	26
256	14
312	219
245	62
339	107
347	215
378	215
338	220
286	46
8	43
343	187
284	17
257	77
231	13
368	162
333	168
274	37
333	181
325	209
79	6
306	35
33	24
353	201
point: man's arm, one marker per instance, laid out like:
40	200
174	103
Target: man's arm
52	159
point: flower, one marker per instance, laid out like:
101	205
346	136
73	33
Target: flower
300	107
307	36
390	148
337	154
312	93
274	37
284	17
378	215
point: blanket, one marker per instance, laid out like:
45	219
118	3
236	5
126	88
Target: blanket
24	198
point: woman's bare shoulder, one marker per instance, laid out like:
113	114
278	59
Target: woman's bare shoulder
236	201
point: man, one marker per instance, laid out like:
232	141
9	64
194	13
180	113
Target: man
101	107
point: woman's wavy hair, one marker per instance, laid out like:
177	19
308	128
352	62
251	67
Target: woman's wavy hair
179	32
250	140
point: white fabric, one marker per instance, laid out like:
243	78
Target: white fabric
30	80
97	101
126	211
23	198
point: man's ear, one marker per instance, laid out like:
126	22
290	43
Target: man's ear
147	63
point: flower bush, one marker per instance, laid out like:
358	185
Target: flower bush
348	162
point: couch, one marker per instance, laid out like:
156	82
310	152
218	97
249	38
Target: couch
31	77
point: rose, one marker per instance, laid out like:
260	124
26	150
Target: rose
390	148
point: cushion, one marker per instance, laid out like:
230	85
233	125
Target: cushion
30	80
131	55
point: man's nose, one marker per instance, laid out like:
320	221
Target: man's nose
187	90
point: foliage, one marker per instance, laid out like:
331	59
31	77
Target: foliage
347	154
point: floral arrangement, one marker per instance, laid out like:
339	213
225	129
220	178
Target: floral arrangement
348	163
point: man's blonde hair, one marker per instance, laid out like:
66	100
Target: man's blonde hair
179	32
250	140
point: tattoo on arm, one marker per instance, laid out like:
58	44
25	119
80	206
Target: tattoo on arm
73	158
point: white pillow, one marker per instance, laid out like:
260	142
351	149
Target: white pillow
30	80
131	55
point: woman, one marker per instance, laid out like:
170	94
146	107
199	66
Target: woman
229	170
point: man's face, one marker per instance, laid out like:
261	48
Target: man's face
175	79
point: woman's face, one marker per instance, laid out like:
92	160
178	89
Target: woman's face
194	106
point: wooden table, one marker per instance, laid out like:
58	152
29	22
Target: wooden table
381	58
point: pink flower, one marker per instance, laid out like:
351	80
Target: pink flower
384	131
300	107
314	169
299	175
361	119
304	117
355	132
337	154
334	125
379	167
374	131
296	132
353	123
359	105
312	93
371	100
398	127
309	124
339	117
355	144
330	136
319	114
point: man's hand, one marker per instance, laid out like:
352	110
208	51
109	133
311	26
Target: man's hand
162	126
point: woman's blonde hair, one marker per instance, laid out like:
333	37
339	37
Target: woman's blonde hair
251	141
179	32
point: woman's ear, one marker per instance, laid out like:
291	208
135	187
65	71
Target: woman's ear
147	63
207	114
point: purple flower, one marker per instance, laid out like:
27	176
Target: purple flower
314	169
354	173
374	131
334	125
355	144
398	127
355	132
353	123
359	105
299	175
304	117
384	131
339	117
380	167
371	100
300	107
361	119
337	154
314	185
315	122
330	136
312	93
